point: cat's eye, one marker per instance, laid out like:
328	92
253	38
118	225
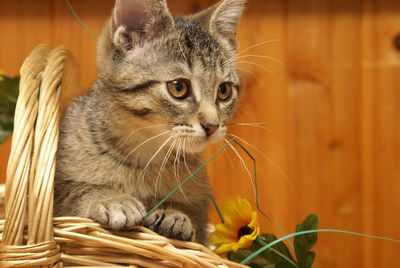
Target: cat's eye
224	91
179	89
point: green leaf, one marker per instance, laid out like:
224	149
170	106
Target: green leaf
8	99
269	258
9	88
280	247
310	259
241	254
304	243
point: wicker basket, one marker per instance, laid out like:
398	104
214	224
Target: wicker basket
32	237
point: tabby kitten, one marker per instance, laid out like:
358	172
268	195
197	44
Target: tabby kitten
166	87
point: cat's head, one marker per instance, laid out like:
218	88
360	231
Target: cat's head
176	73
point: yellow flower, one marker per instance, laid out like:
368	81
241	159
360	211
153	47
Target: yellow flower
239	229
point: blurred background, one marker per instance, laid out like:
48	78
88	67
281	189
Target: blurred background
320	100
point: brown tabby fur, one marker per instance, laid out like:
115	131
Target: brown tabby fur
127	143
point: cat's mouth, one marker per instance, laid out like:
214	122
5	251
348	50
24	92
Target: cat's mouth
194	139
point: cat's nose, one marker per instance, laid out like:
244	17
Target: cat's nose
209	128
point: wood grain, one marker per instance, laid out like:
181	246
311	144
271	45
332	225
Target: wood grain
331	110
381	95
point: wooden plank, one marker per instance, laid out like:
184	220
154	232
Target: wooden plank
381	68
345	147
325	79
309	58
368	95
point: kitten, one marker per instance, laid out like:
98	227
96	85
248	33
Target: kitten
166	87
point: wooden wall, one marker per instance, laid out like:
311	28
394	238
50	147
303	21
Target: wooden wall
332	110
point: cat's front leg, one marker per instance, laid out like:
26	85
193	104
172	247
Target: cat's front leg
98	202
120	212
171	223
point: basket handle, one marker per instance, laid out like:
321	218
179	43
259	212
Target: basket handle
32	157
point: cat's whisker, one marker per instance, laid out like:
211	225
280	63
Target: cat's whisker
250	72
252	124
122	161
186	165
163	164
239	107
257	125
184	157
257	45
191	149
177	159
180	149
260	56
243	163
227	155
154	155
176	171
143	143
266	157
256	64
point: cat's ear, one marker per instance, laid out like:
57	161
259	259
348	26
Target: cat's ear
222	18
137	21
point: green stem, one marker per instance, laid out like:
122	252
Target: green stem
217	208
77	17
262	243
256	192
186	180
264	248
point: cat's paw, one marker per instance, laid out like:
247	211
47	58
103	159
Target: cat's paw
171	223
119	212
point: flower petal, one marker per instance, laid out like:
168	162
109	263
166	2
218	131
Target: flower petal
231	212
222	234
237	214
244	208
224	248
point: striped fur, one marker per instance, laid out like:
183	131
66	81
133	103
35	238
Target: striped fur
127	143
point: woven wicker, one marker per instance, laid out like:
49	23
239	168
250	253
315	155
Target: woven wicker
30	236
